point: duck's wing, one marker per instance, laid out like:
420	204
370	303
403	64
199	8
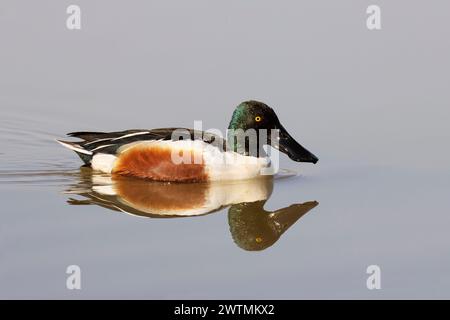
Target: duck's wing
109	142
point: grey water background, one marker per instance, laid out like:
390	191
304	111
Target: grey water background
373	105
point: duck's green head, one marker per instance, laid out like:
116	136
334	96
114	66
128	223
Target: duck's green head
257	115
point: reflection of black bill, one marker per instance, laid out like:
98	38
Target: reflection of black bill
293	149
255	229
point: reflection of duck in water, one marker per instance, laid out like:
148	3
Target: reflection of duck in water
252	227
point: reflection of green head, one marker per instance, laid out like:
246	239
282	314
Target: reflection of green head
254	229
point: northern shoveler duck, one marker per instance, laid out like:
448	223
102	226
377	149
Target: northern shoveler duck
150	153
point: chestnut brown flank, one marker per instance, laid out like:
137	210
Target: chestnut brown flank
155	162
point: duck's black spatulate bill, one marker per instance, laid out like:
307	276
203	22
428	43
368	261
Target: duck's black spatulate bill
293	149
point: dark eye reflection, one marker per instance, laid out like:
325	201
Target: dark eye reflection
251	226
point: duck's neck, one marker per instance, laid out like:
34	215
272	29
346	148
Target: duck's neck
245	142
239	137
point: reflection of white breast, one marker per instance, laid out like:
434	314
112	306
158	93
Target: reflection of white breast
225	194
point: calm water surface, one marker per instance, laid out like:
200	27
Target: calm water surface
372	105
302	235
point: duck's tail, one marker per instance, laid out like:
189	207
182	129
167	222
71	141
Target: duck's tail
84	154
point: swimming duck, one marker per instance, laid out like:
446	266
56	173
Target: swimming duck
150	154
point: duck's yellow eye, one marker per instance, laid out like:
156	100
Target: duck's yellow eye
258	118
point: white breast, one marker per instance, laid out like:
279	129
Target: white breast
230	165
